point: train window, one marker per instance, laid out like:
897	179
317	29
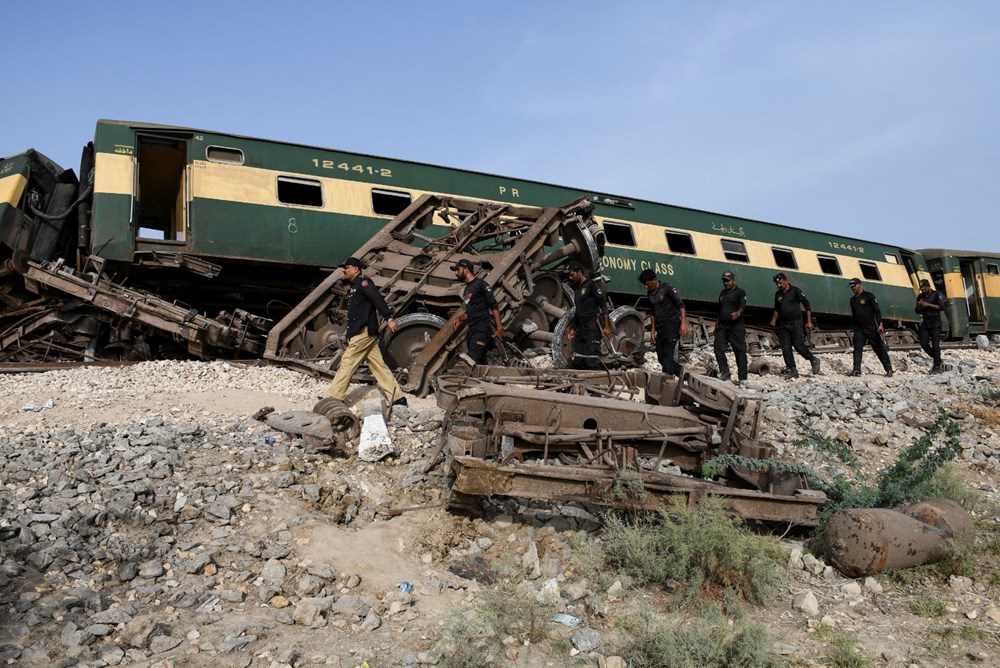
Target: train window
303	192
390	202
829	265
870	271
993	270
735	250
228	156
619	234
679	242
784	258
891	259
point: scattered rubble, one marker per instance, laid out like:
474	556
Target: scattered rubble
159	525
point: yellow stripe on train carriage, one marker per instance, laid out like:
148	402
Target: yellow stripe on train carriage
114	174
257	186
12	189
651	237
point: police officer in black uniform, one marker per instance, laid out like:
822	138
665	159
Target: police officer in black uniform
590	302
668	319
930	303
730	331
787	317
480	304
868	327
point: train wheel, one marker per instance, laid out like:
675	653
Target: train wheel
630	330
530	318
414	331
547	284
562	347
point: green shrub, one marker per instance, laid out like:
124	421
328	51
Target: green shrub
928	605
474	638
697	549
707	641
916	475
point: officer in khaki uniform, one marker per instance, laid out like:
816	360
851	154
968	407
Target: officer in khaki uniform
364	303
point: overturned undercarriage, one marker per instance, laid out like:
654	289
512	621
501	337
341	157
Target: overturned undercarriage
570	436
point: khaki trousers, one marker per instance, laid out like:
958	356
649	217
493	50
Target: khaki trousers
363	346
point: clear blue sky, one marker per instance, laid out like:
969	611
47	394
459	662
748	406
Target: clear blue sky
876	120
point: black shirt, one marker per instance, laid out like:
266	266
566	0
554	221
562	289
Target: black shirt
730	301
666	303
360	302
931	316
589	300
789	305
864	308
479	301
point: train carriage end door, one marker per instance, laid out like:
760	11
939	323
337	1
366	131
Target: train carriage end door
973	294
161	198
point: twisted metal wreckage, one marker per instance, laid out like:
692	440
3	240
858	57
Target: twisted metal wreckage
509	430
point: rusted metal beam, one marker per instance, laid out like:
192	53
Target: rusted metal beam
475	477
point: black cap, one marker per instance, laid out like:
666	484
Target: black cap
854	281
352	262
924	281
647	275
728	276
463	263
574	266
780	276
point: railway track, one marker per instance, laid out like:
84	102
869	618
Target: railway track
42	367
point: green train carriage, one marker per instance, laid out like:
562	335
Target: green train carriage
166	195
971	283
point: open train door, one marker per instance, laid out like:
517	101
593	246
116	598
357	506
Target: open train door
974	297
161	195
910	262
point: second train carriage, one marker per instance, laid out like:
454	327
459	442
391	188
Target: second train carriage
971	283
164	196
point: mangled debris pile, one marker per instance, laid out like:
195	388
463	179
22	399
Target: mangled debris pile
519	250
572	436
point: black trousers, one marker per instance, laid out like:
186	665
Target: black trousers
791	336
870	335
930	341
480	342
667	337
586	347
732	335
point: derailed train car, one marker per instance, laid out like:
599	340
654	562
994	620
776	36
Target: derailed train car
215	222
971	284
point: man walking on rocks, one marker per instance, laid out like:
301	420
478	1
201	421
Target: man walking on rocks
668	320
730	330
868	327
479	305
590	301
364	303
787	317
930	303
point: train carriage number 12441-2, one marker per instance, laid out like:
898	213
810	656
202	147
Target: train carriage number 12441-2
361	169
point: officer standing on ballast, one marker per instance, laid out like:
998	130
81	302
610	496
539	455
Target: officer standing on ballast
730	330
787	317
668	320
868	327
590	301
480	304
364	303
930	303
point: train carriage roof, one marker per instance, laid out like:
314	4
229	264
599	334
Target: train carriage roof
940	252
